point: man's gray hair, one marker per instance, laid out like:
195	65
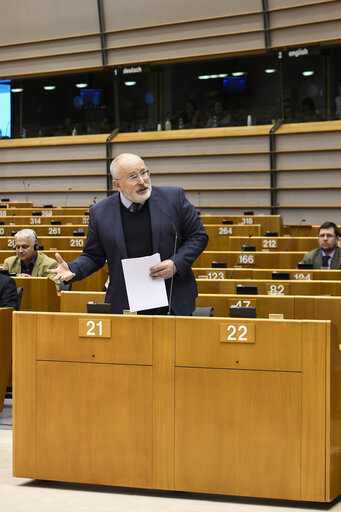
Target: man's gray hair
27	233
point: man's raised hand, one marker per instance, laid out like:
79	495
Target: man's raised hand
62	272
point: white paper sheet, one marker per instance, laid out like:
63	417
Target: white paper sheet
143	292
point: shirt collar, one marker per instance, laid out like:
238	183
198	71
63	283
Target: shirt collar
126	202
30	266
331	254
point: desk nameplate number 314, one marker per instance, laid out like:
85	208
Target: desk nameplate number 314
237	332
94	328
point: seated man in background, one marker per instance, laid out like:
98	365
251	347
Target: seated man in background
328	255
8	292
28	261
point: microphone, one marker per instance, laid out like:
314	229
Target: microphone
293	236
241	252
26	187
172	278
67	195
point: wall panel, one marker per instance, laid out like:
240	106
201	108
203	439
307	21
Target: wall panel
173	50
43	170
293	22
124	15
54	19
43	36
222	170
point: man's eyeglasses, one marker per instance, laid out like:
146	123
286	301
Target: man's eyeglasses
134	178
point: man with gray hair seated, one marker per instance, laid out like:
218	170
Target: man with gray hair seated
28	261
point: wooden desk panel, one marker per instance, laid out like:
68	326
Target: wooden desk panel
129	343
270	433
32	221
116	445
76	301
253	259
219	235
88	421
294	307
266	243
263	273
54	211
45	229
5	351
268	222
40	294
264	304
271	287
265	354
55	243
228	427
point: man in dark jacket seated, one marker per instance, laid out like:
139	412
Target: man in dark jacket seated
328	254
8	292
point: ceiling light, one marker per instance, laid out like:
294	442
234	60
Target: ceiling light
238	73
80	86
204	77
129	84
308	73
49	87
222	75
18	89
270	70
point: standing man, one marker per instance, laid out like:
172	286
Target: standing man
136	222
328	255
28	261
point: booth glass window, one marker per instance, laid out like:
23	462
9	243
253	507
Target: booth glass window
63	105
138	98
226	92
304	94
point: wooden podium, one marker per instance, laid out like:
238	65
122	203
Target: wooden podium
213	405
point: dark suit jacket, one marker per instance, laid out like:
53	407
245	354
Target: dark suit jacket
105	241
8	292
315	258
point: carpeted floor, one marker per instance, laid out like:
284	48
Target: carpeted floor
6	415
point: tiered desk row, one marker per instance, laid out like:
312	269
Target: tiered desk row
238	406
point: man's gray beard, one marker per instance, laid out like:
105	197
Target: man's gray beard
146	195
